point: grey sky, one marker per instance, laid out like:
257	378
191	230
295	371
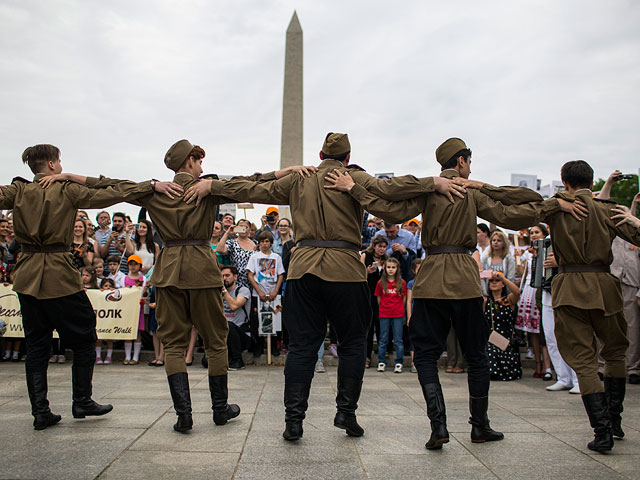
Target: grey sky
528	84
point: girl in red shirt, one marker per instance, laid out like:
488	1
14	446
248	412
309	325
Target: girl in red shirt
391	291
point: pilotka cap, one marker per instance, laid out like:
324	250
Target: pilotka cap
448	149
336	144
177	154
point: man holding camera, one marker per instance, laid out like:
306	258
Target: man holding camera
114	243
270	223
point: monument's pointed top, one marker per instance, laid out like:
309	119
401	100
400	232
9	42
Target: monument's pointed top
294	24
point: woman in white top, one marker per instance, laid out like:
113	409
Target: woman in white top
143	245
498	258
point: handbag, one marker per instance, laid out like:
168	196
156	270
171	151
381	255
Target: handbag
495	338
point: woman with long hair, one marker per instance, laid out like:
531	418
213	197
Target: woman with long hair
374	258
499	258
143	245
81	251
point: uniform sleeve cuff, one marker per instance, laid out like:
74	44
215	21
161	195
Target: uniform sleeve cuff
550	205
216	187
428	185
358	192
93	182
489	189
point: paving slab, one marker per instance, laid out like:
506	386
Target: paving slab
545	432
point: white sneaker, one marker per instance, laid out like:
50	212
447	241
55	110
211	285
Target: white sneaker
556	387
381	367
320	367
529	354
575	390
398	368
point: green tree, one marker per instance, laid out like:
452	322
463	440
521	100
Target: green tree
622	192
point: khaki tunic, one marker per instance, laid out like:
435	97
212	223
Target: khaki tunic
588	242
46	217
456	276
186	267
322	214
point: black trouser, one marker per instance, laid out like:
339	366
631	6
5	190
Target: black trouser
57	347
309	302
374	326
237	341
431	321
74	319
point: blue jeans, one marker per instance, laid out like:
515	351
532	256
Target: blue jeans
396	324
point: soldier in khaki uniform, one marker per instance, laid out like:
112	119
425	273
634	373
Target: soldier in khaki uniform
447	288
188	285
326	278
49	288
587	301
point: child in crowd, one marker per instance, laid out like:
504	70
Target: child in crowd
266	274
89	279
98	264
415	266
106	285
135	279
12	343
391	291
113	262
158	349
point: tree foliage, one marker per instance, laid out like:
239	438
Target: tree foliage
622	192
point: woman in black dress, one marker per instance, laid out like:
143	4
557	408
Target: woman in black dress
500	310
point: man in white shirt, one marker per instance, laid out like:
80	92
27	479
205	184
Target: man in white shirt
236	310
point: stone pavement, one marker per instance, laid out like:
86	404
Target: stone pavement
546	433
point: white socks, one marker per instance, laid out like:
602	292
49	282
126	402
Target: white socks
136	350
109	352
127	349
98	352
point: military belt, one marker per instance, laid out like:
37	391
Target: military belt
577	268
329	244
53	248
440	249
188	242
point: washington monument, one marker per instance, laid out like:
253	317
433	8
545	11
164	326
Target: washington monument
291	147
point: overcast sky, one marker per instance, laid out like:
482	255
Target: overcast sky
528	84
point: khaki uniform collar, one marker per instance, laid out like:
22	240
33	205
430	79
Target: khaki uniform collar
182	178
449	173
583	192
38	176
331	163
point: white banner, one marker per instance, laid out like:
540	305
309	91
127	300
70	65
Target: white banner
117	312
270	316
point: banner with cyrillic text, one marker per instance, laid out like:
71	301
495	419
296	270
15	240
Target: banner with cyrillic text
117	312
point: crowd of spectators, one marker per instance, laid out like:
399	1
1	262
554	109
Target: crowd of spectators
118	253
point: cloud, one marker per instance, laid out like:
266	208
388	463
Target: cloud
528	85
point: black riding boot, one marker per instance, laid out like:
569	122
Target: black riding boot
437	413
222	411
296	401
598	412
37	387
83	405
347	402
614	389
480	430
179	387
